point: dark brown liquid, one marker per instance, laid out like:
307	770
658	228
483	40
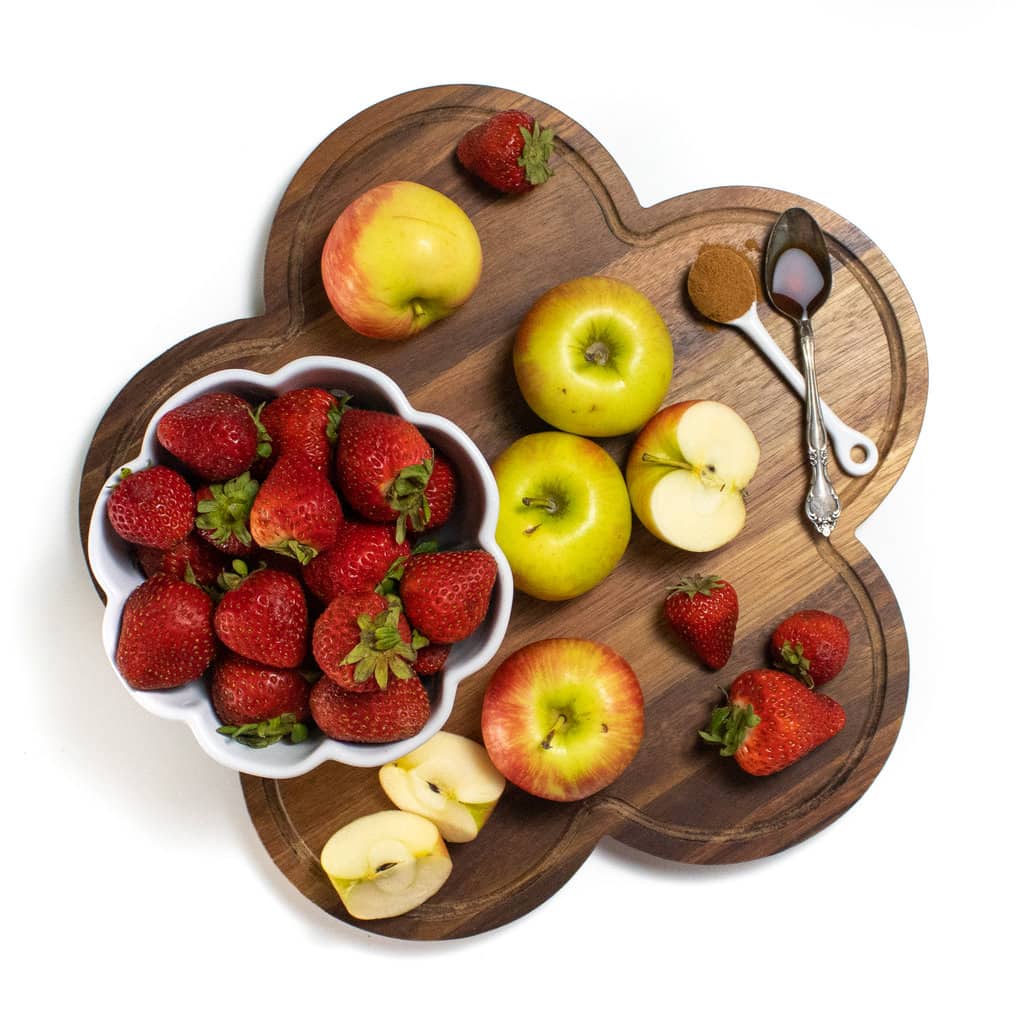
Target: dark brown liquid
796	282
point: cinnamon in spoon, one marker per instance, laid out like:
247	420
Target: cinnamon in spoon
721	284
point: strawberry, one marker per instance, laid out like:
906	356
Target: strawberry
431	659
446	594
244	691
217	436
363	642
223	518
263	616
379	716
703	611
358	561
153	507
439	493
188	556
510	151
305	422
771	720
166	634
296	511
382	466
811	645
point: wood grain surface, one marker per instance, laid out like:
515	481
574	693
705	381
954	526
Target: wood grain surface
678	800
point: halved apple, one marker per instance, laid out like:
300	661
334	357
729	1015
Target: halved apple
384	864
687	471
450	780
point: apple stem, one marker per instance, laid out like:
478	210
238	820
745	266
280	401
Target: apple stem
559	722
548	504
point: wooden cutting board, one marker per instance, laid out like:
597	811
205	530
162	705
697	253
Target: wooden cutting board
678	800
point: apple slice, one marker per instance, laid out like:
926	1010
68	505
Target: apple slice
384	864
450	780
687	471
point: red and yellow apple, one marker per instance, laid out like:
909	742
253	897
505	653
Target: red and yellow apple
593	357
399	257
686	474
563	515
450	781
383	864
563	718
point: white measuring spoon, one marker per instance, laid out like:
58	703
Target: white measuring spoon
845	440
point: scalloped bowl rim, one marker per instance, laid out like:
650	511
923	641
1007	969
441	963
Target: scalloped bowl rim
117	576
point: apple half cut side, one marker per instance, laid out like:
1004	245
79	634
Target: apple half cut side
385	864
450	781
687	471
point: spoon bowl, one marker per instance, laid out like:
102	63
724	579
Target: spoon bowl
796	233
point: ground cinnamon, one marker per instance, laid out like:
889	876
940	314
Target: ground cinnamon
721	284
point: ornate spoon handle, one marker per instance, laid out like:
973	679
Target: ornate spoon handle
822	505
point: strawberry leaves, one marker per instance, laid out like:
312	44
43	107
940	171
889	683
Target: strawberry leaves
263	734
381	651
729	726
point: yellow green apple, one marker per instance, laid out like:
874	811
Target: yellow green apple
563	718
594	357
563	514
399	257
386	863
450	781
687	471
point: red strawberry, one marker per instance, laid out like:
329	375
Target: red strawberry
383	464
510	151
358	561
223	518
446	594
263	617
364	642
703	611
243	691
191	554
296	511
439	494
771	721
811	645
153	507
431	659
217	435
303	422
166	634
379	716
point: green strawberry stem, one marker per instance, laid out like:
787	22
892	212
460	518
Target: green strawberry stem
263	734
226	511
293	548
264	449
405	495
791	659
693	585
729	726
538	146
381	651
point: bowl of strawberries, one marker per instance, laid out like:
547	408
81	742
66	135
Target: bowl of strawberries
300	566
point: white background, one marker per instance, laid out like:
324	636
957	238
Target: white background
146	152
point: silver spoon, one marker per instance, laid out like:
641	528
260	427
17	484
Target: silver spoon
798	279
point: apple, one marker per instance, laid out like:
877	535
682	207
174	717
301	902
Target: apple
386	863
593	357
563	515
449	780
562	718
398	258
686	474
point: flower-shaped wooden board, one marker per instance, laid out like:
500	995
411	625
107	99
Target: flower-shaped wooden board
678	799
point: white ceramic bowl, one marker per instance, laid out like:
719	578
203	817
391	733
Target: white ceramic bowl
472	525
